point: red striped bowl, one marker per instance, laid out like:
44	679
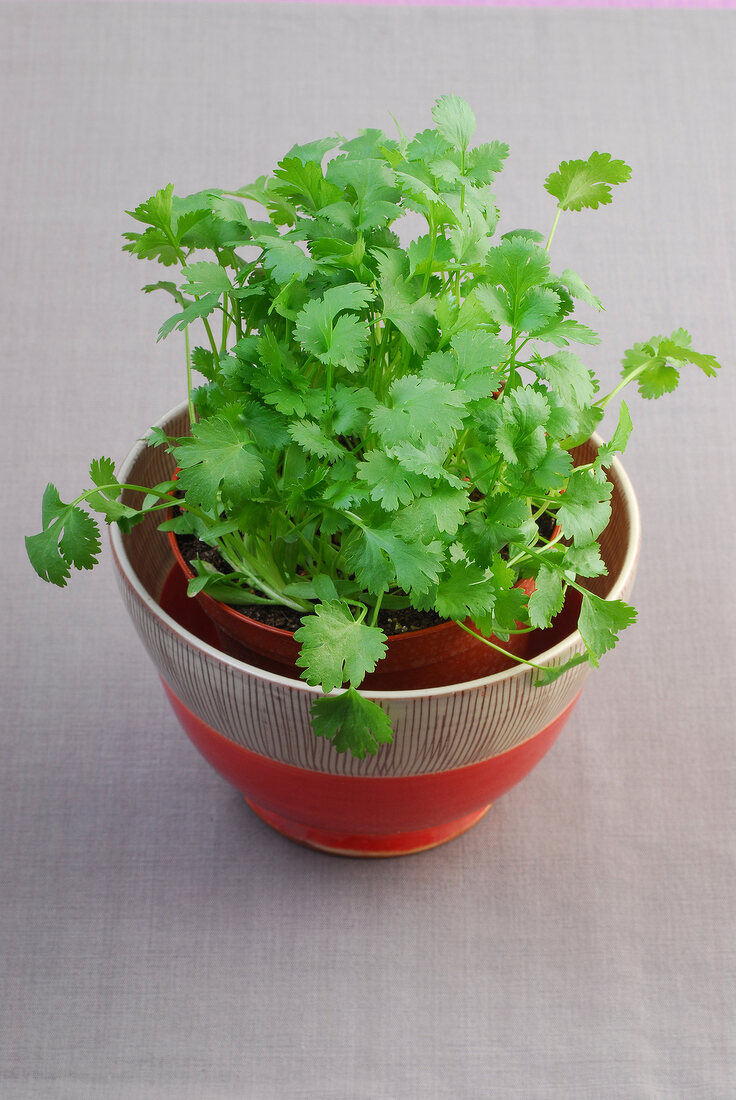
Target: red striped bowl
456	748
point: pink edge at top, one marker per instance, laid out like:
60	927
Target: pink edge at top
599	4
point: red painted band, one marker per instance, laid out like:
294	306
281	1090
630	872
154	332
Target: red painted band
373	805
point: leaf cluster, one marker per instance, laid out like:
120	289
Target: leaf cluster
380	424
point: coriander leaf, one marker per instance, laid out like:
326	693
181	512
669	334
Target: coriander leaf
586	183
551	673
442	511
547	598
335	649
585	507
579	289
483	162
156	211
206	305
600	621
568	375
313	150
537	308
206	277
652	364
465	591
422	410
678	346
351	722
102	474
517	264
390	484
46	558
379	556
561	332
584	560
311	438
618	440
454	120
285	260
411	312
304	184
80	542
521	437
217	458
70	537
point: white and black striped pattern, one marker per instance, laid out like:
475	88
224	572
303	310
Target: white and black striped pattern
435	729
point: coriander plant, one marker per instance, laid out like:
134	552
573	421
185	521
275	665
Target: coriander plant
379	424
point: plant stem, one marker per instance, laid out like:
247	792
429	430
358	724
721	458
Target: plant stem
554	227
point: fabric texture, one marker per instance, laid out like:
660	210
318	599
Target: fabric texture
156	939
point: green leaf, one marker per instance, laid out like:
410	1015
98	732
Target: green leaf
353	724
618	441
156	211
537	308
339	341
70	537
465	591
521	437
561	332
422	410
411	312
389	483
80	542
547	598
443	511
579	289
553	672
335	649
285	260
45	557
586	183
678	347
600	622
217	458
568	375
454	120
206	277
380	557
585	507
310	437
206	305
304	184
653	363
313	150
371	187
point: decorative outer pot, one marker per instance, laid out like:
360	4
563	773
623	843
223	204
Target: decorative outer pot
433	657
456	748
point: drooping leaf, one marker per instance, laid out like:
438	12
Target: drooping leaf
600	621
351	722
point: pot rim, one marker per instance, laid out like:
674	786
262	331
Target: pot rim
546	657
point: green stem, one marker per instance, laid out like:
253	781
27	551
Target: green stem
500	649
192	413
554	227
603	401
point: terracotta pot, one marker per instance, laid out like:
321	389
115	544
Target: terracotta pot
432	657
456	748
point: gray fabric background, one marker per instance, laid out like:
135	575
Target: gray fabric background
157	940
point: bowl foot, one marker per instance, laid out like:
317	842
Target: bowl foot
365	845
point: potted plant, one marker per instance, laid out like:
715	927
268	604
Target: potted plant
385	480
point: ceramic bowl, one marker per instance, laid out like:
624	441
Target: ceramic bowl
456	748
